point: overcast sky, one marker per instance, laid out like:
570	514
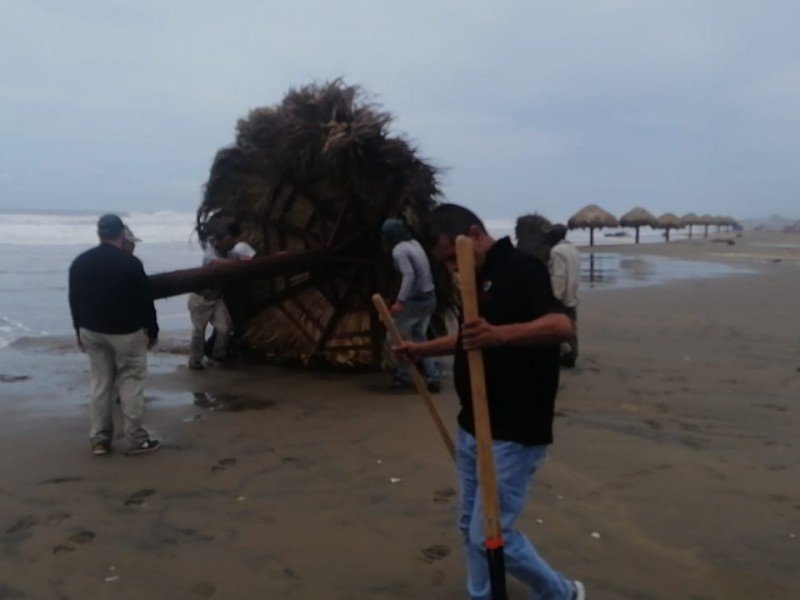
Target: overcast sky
546	105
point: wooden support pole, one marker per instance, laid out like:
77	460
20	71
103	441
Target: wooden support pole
416	376
487	480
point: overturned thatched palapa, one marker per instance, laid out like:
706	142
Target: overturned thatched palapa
318	172
669	221
638	217
689	220
592	217
531	232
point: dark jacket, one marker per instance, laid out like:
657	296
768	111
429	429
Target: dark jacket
110	293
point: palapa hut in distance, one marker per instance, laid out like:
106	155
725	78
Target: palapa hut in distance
669	221
705	221
637	218
690	219
592	217
310	180
531	232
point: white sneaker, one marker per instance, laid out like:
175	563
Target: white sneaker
580	591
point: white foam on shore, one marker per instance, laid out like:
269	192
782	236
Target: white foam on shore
54	229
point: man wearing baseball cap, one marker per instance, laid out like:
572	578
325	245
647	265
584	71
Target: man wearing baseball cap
129	240
115	324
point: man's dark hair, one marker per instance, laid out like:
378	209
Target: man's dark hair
556	234
450	220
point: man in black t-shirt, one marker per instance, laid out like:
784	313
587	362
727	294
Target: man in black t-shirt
519	332
115	324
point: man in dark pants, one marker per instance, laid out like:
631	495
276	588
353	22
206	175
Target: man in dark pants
519	332
115	324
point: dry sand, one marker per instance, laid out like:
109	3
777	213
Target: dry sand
677	443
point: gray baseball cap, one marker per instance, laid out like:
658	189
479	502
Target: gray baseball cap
109	226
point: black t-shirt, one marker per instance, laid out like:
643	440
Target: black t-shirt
110	293
521	381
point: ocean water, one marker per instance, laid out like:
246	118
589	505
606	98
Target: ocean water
37	247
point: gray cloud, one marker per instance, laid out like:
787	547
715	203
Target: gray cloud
685	105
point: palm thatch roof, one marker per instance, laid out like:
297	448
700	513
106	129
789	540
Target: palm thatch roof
691	219
669	221
592	217
705	219
638	217
319	171
531	232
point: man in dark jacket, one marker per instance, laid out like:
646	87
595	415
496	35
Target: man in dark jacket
115	324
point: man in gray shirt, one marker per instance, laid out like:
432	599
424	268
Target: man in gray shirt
416	299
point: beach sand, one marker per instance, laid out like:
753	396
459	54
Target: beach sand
673	475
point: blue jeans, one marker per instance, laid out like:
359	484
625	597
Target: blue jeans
515	465
412	322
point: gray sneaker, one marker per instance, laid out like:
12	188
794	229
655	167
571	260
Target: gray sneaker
101	448
144	447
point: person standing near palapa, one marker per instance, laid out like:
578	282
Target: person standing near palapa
565	275
115	324
520	329
415	302
208	306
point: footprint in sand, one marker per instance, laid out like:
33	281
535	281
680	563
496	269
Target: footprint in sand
57	518
59	480
444	495
24	524
225	462
434	553
204	589
138	498
82	537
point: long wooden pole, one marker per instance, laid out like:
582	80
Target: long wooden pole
416	376
487	480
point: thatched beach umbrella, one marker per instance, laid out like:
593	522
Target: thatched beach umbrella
669	221
636	218
314	177
690	219
531	232
729	222
592	217
705	221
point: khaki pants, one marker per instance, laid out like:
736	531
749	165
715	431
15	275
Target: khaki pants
203	312
117	363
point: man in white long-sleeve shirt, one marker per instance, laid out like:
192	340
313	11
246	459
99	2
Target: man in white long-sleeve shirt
416	299
565	274
208	307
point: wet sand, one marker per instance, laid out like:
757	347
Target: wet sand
676	445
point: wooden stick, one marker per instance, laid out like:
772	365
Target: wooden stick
487	480
416	376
